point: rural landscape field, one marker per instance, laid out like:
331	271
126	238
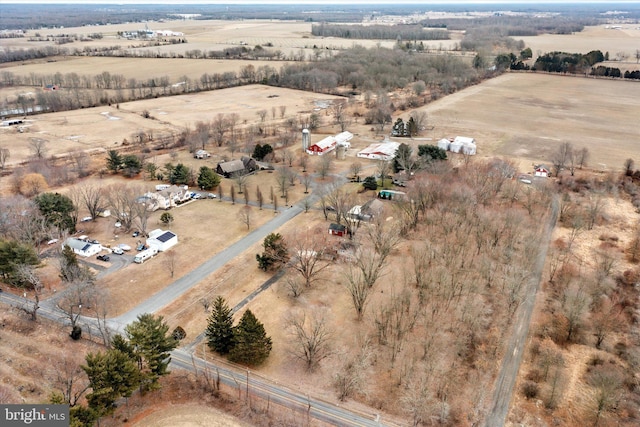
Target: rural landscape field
497	283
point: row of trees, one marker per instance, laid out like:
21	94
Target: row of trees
360	68
379	32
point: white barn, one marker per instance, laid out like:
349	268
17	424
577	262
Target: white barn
468	145
444	144
382	151
162	240
82	247
343	139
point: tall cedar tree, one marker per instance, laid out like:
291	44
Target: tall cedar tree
151	341
251	343
275	252
220	328
112	375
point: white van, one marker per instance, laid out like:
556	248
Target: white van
145	255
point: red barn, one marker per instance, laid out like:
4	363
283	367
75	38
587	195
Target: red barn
337	229
324	146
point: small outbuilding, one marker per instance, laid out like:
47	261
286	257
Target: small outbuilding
162	240
337	229
542	171
201	154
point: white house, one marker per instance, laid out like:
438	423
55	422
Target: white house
382	151
167	198
162	240
323	146
82	247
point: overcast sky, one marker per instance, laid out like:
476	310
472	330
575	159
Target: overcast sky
369	2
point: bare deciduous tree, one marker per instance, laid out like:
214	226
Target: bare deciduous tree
122	199
306	257
306	180
38	147
561	157
355	168
92	197
69	378
311	337
245	215
27	275
351	376
324	166
171	261
4	156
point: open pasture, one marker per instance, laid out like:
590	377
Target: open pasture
102	128
525	116
625	39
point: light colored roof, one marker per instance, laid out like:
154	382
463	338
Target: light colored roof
324	143
385	148
78	244
464	140
343	137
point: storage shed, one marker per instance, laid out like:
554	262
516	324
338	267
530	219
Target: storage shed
337	229
162	240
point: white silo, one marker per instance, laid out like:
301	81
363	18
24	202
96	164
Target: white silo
306	139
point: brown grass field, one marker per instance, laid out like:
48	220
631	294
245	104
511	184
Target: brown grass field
519	116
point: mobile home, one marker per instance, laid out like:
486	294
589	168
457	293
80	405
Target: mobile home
145	255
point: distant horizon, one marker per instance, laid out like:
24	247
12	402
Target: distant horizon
318	2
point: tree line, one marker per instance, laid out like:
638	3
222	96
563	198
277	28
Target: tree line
378	32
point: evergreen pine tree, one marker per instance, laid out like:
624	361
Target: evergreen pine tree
220	327
151	341
251	343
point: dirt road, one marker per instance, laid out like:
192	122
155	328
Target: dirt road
506	380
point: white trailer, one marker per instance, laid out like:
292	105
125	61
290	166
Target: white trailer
142	256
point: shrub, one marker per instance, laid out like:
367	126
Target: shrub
530	390
178	333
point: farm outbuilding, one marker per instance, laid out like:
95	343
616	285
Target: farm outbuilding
337	229
233	168
468	145
383	151
201	154
542	171
82	247
323	146
444	144
343	139
162	240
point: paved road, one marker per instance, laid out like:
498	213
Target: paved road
506	380
186	282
